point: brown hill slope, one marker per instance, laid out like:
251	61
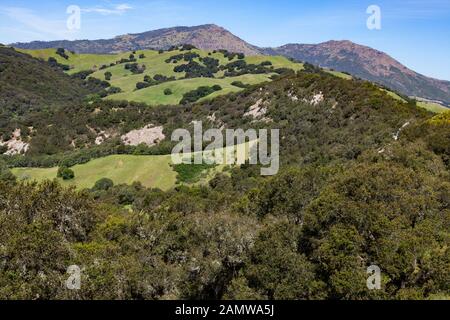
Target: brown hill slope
206	37
369	64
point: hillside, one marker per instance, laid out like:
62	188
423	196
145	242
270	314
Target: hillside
27	83
369	64
353	190
155	71
31	88
361	61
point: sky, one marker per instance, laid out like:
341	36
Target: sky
415	32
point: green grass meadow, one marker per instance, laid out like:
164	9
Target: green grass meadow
155	63
432	106
152	171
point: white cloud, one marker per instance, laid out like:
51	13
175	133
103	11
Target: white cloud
118	9
34	24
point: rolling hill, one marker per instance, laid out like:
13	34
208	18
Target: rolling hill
360	61
363	179
32	88
157	63
29	83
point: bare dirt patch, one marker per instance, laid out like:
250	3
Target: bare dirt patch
148	135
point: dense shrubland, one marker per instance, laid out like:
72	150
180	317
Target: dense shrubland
307	233
348	195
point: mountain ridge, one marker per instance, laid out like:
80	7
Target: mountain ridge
345	56
199	36
369	64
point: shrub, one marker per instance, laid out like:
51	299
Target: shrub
5	173
199	93
82	74
168	92
135	68
108	76
3	149
191	173
142	85
113	90
54	63
239	84
65	173
61	52
103	184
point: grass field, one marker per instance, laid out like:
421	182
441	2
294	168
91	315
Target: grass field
151	171
78	62
394	95
155	63
339	74
155	94
432	106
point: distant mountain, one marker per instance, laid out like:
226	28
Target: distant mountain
206	37
369	64
358	60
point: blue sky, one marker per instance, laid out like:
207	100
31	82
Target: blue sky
415	32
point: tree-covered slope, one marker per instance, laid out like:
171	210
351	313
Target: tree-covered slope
352	192
31	87
27	82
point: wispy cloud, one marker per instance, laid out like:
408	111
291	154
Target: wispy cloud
35	24
118	9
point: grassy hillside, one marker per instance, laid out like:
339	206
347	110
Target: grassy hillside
155	94
77	62
150	171
156	64
339	74
348	194
394	95
432	106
